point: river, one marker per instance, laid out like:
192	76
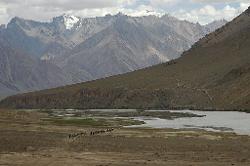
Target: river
238	122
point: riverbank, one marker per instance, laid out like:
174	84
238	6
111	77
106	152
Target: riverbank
27	140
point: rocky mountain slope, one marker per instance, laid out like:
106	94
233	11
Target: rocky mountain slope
127	45
52	39
20	72
213	74
92	48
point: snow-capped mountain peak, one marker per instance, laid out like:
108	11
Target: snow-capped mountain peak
70	21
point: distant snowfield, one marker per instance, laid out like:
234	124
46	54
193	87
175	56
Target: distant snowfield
70	21
216	121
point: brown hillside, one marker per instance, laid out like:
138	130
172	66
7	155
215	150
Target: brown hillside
214	74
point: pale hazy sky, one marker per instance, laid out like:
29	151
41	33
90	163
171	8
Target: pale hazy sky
202	11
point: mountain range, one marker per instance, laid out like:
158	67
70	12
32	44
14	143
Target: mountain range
213	75
41	55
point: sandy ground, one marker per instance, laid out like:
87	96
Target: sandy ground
26	141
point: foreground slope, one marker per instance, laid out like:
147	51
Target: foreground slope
214	74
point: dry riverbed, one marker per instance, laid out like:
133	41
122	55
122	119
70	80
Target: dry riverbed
28	139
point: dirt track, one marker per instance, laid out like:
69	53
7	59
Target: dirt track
28	144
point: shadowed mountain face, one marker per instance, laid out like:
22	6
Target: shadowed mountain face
91	48
20	72
213	74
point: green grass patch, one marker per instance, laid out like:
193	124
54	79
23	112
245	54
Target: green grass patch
95	122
